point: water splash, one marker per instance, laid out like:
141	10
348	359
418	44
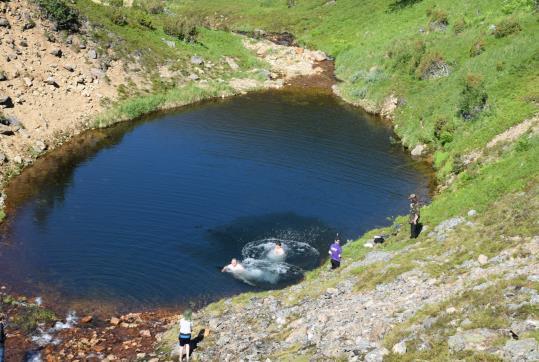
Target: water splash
265	273
46	336
298	253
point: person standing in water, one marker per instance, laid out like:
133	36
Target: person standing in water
186	326
415	226
233	267
335	252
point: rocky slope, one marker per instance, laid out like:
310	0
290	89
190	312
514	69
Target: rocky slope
439	298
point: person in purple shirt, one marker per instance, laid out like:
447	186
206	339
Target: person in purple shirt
335	252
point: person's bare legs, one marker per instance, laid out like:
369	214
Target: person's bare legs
181	353
187	351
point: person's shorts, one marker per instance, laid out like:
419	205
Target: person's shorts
184	339
335	264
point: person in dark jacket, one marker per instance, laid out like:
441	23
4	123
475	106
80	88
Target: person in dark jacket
2	337
415	226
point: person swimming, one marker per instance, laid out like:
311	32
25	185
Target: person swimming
279	251
234	267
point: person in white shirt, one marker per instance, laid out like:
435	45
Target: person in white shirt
186	326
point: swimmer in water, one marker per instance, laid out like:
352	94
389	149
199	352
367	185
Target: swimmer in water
279	251
233	267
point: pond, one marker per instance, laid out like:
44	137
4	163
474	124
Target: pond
146	213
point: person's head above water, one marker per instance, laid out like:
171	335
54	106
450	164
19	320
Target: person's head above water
278	244
234	262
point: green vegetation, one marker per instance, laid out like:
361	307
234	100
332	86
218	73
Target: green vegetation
496	41
64	15
24	316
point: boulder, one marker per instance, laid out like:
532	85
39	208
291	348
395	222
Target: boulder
232	63
482	259
86	319
145	333
376	355
195	59
472	213
92	54
52	81
115	321
5	102
399	348
521	350
193	77
3	76
4	23
57	52
39	146
419	150
474	339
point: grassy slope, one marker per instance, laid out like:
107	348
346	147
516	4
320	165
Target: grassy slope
380	50
147	47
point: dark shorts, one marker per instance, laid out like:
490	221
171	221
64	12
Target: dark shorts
184	339
335	264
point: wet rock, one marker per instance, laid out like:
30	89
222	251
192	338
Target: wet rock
86	319
419	150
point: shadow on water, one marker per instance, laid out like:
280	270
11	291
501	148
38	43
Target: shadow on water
285	226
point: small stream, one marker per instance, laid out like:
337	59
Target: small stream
146	213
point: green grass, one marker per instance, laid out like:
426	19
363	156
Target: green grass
367	35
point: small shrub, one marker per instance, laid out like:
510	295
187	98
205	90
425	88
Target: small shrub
432	66
65	17
459	26
511	6
407	56
360	93
144	20
506	27
150	6
477	48
473	97
443	131
181	28
439	19
118	17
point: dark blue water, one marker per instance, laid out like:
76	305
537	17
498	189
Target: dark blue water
144	214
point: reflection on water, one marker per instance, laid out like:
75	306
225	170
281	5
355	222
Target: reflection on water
147	213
